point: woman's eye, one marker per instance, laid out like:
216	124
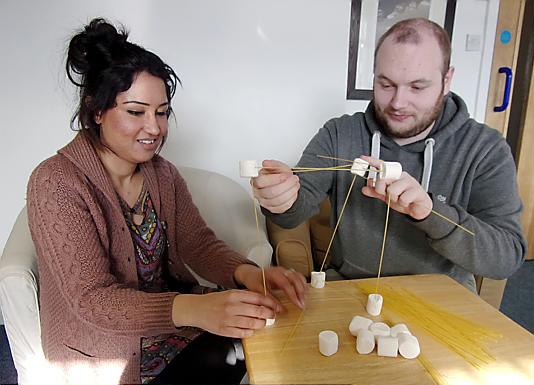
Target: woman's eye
161	113
135	113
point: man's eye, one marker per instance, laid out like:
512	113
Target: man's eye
386	86
135	113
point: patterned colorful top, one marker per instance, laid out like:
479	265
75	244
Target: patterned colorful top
150	244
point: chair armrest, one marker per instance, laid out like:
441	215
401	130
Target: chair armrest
19	299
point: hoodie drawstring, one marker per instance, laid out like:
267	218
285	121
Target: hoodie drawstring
375	153
428	158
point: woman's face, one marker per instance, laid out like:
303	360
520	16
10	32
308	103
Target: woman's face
134	128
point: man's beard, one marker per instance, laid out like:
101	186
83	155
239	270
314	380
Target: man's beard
419	126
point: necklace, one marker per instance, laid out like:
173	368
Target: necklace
136	213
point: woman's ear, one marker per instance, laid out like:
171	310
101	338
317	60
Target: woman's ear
98	117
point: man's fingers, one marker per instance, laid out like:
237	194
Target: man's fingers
276	165
268	180
278	189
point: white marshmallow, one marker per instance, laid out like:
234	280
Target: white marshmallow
248	169
269	322
408	346
317	279
328	342
379	329
387	346
374	304
398	329
390	170
358	323
359	167
365	342
239	353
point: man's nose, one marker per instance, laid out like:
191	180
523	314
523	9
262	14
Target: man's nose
400	99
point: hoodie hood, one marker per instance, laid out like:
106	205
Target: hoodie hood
452	117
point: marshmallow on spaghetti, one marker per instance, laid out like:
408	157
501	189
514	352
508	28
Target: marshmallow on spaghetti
359	167
365	342
248	169
387	346
358	323
269	322
374	304
328	342
408	346
317	279
390	170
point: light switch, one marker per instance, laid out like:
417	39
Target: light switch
473	43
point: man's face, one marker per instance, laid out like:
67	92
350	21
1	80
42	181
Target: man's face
409	86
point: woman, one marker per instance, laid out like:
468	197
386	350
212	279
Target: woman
114	226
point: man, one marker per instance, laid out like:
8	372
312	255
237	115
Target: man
452	164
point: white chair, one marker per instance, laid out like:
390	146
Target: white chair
225	206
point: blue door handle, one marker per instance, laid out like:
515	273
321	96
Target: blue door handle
507	88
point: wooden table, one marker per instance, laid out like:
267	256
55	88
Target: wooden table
332	308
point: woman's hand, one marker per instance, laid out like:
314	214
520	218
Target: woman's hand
231	313
291	282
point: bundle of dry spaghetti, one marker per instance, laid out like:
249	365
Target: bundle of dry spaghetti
460	335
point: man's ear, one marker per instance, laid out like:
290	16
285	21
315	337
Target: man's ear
447	79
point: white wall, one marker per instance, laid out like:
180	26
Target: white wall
260	77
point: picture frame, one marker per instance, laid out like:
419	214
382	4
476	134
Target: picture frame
369	19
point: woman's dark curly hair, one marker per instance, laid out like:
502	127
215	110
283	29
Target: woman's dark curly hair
102	63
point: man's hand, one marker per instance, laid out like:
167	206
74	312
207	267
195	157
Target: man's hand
291	282
276	188
407	195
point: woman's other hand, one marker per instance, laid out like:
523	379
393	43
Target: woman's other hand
291	282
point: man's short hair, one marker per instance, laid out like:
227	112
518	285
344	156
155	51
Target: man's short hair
409	32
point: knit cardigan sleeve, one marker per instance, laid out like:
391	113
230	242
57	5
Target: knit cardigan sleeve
197	244
71	253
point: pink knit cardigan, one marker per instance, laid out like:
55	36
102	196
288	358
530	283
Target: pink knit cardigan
92	313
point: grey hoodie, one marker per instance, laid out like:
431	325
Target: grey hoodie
472	181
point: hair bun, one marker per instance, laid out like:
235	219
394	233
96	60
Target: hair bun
94	48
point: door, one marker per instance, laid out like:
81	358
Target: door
502	88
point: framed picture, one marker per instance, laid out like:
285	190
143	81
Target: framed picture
369	19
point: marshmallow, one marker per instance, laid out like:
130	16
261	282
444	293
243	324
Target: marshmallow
239	353
328	342
365	342
390	170
387	346
408	346
248	169
269	322
398	329
379	329
358	323
359	167
317	279
374	304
